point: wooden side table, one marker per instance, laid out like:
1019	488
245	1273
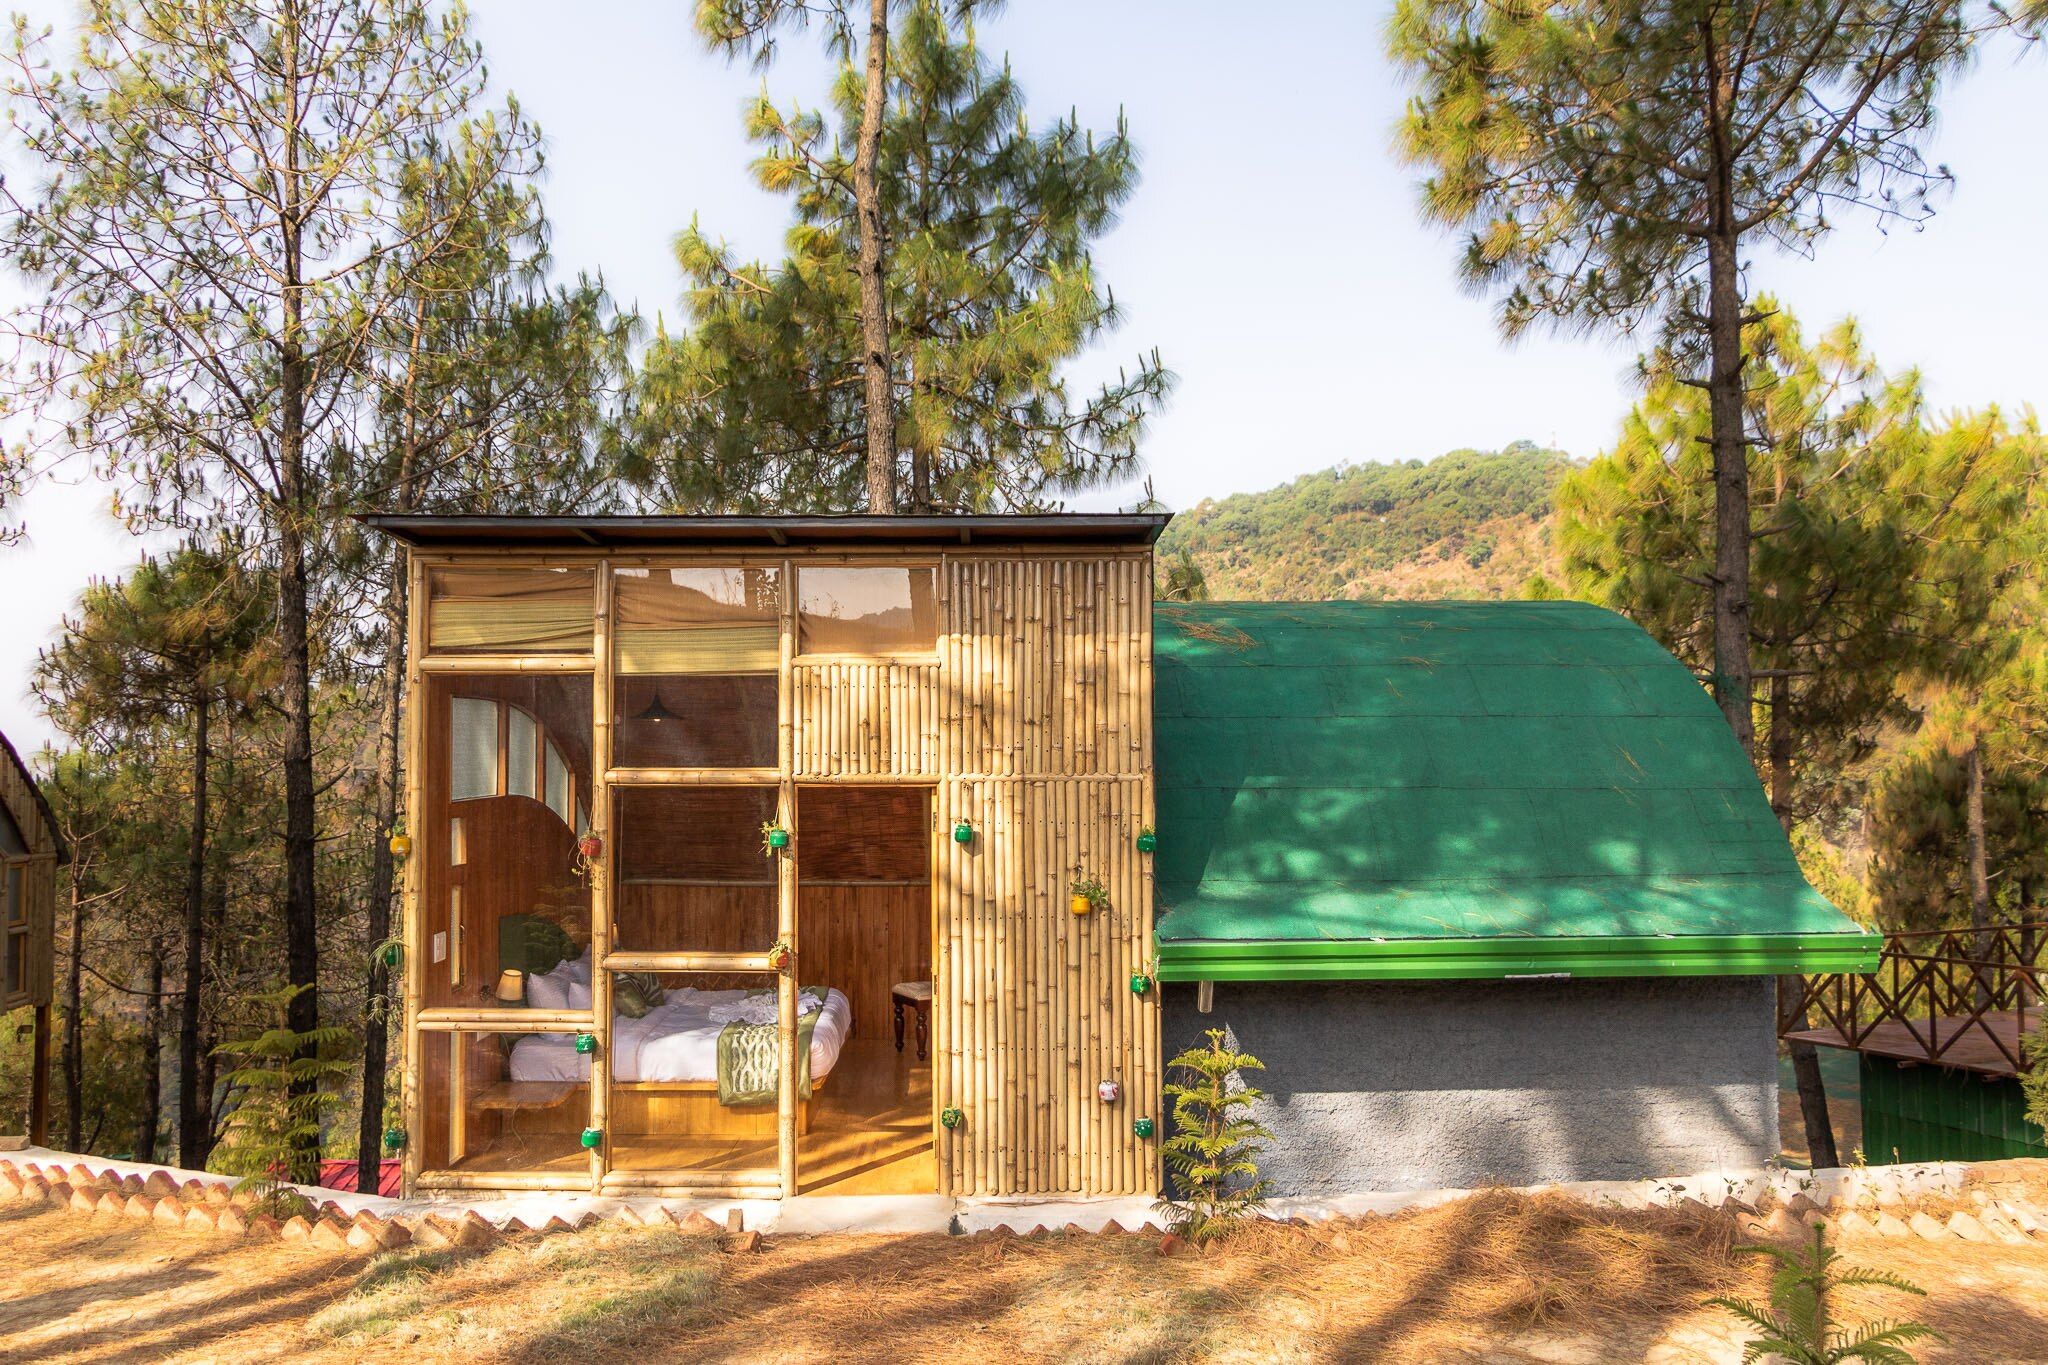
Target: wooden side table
917	995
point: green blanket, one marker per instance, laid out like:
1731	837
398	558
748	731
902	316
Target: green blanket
750	1061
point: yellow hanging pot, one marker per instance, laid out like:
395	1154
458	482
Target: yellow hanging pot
1079	904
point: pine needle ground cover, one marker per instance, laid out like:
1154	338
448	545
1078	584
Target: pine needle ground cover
1499	1276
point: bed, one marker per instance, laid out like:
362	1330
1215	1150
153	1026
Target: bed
674	1043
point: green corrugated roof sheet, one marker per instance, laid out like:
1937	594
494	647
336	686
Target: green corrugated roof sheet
1459	789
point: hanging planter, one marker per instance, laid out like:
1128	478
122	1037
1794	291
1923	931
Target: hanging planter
951	1118
1086	896
586	1043
773	839
781	955
1143	1128
591	1137
1109	1092
963	833
401	845
394	1139
1148	841
590	847
1140	983
393	954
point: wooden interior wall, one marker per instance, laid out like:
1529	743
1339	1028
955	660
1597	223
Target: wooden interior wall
862	940
1034	725
673	917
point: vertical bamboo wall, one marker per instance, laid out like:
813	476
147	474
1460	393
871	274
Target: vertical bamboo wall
1034	725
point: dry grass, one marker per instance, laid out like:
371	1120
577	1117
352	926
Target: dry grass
1499	1276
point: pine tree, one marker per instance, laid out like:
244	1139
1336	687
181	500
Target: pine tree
1213	1153
214	232
761	403
1612	162
178	641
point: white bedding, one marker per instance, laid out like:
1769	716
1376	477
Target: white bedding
676	1041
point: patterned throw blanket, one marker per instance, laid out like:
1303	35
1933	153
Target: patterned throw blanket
750	1061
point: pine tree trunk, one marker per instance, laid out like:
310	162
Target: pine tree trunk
301	919
152	1058
1779	750
1980	879
874	299
376	1020
74	1021
1731	491
192	1116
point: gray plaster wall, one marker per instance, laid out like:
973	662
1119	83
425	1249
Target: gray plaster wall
1422	1085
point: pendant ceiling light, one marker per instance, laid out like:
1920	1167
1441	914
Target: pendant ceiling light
655	711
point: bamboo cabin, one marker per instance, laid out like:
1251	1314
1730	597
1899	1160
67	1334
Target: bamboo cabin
30	853
740	852
779	855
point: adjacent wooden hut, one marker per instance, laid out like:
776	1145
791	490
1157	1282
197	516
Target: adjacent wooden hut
30	852
742	855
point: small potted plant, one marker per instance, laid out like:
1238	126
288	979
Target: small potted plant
401	842
1086	895
781	955
1148	840
589	856
773	838
963	833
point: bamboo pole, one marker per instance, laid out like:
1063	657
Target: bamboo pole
601	738
411	919
507	663
692	777
503	1020
786	920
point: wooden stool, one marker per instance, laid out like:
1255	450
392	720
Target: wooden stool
917	995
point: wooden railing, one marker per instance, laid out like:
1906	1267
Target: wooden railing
1944	987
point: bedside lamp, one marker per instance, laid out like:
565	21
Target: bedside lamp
511	986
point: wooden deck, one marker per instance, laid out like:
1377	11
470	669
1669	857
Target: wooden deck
1964	1043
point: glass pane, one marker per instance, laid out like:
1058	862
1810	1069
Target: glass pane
473	748
522	738
697	620
505	888
510	611
867	611
692	877
16	894
696	721
558	797
668	1110
504	1102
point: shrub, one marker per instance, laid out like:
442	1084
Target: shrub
1213	1151
1797	1326
273	1133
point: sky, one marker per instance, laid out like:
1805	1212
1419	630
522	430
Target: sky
1272	253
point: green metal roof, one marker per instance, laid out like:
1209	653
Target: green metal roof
1460	789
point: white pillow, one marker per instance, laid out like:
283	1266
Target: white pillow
547	991
577	971
579	995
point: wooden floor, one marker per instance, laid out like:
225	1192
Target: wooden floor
1967	1044
871	1133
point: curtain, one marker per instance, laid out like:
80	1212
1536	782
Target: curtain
510	611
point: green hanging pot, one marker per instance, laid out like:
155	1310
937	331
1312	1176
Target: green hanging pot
778	837
963	833
951	1118
1143	1128
1148	842
591	1137
394	1139
1140	983
586	1043
392	955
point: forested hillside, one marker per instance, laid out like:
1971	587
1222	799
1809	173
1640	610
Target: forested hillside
1472	523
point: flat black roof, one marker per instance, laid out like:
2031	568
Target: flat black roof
1095	528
